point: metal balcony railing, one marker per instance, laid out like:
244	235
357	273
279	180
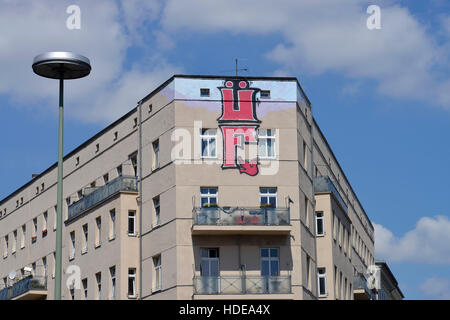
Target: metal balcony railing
360	283
22	286
242	285
122	183
324	184
227	216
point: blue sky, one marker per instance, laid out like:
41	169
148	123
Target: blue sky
381	97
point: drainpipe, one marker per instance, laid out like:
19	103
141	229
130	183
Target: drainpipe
140	197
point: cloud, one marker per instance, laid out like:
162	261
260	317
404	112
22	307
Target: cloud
437	288
428	242
327	35
108	31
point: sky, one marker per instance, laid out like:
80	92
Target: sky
381	96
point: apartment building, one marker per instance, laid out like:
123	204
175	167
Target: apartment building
211	188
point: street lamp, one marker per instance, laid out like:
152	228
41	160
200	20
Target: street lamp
60	65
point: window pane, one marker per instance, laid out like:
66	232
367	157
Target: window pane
273	253
265	268
212	147
263	200
264	253
274	267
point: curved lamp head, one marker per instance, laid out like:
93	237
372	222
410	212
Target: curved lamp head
61	65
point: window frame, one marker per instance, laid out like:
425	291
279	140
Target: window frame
208	136
264	136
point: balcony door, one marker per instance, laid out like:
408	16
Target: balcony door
270	268
209	270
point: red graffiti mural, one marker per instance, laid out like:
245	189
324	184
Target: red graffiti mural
239	124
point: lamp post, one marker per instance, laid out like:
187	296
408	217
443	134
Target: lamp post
60	65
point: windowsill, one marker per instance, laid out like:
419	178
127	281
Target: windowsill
132	234
84	252
323	295
72	258
156	291
209	158
320	235
268	158
132	296
97	245
112	238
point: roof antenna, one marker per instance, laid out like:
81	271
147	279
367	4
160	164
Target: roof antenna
236	69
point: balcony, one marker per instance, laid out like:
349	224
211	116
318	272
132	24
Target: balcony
120	184
360	289
241	220
324	184
29	288
247	286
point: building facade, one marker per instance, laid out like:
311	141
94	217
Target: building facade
211	188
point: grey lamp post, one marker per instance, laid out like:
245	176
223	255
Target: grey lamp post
60	65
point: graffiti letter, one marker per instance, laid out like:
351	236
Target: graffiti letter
74	279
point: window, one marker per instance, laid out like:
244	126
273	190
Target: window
80	194
305	157
204	92
24	236
268	197
209	145
308	272
335	274
44	223
345	289
266	144
97	148
306	213
35	228
5	251
322	282
116	135
77	161
72	293
157	280
265	94
132	282
85	239
340	285
155	164
131	223
157	210
98	277
72	245
53	264
319	224
150	108
208	196
112	273
119	170
135	122
85	288
269	262
112	224
133	159
106	178
14	244
44	265
98	231
55	217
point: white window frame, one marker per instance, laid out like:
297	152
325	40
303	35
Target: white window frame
322	221
320	276
98	231
157	285
14	243
112	224
133	216
155	156
84	248
132	277
269	194
24	235
209	136
208	195
265	135
157	206
72	245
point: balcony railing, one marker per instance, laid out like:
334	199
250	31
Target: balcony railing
360	283
227	216
324	184
242	285
122	183
23	286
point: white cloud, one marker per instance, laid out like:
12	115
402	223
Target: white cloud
327	35
437	288
108	30
428	242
